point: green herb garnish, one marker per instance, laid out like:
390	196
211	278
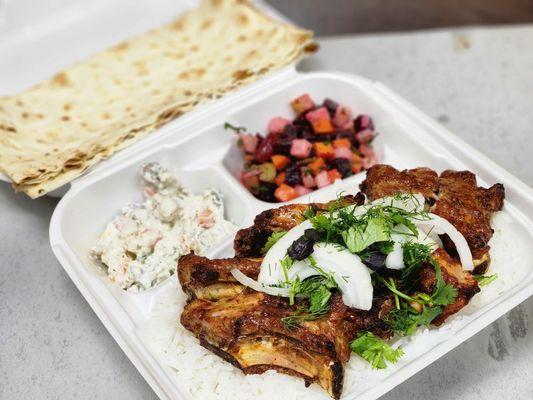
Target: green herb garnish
415	255
271	241
375	350
237	129
484	280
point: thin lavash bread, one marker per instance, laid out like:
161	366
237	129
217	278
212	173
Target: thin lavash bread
52	132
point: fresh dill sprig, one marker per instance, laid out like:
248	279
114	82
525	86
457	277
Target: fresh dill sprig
415	255
271	241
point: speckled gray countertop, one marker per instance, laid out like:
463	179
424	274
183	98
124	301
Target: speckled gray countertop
478	82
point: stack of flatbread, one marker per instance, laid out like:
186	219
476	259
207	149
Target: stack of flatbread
54	131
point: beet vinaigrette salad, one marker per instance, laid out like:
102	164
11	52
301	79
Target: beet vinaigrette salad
321	144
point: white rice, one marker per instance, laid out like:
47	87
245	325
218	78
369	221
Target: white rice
203	375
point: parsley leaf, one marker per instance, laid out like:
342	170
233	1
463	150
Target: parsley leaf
271	241
374	350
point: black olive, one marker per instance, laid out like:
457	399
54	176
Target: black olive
301	248
375	260
312	234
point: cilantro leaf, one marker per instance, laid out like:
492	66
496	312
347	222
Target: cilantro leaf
358	239
309	213
271	241
444	294
374	350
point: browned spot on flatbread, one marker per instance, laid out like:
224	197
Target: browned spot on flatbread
24	115
241	74
106	115
61	79
242	19
67	106
120	47
195	73
194	48
207	23
187	93
241	38
65	118
216	3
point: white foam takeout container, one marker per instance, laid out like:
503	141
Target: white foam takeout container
203	154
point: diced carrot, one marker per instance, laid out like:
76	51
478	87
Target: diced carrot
316	166
320	120
357	164
280	179
324	150
333	175
285	193
343	142
302	104
280	161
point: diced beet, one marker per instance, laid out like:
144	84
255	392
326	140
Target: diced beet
342	152
342	118
283	142
277	124
308	180
250	180
366	150
301	148
301	190
365	136
249	142
292	175
363	122
342	165
264	150
322	179
302	104
320	120
331	106
347	134
266	191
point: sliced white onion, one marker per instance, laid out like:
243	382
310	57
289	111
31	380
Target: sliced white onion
439	226
259	287
349	272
